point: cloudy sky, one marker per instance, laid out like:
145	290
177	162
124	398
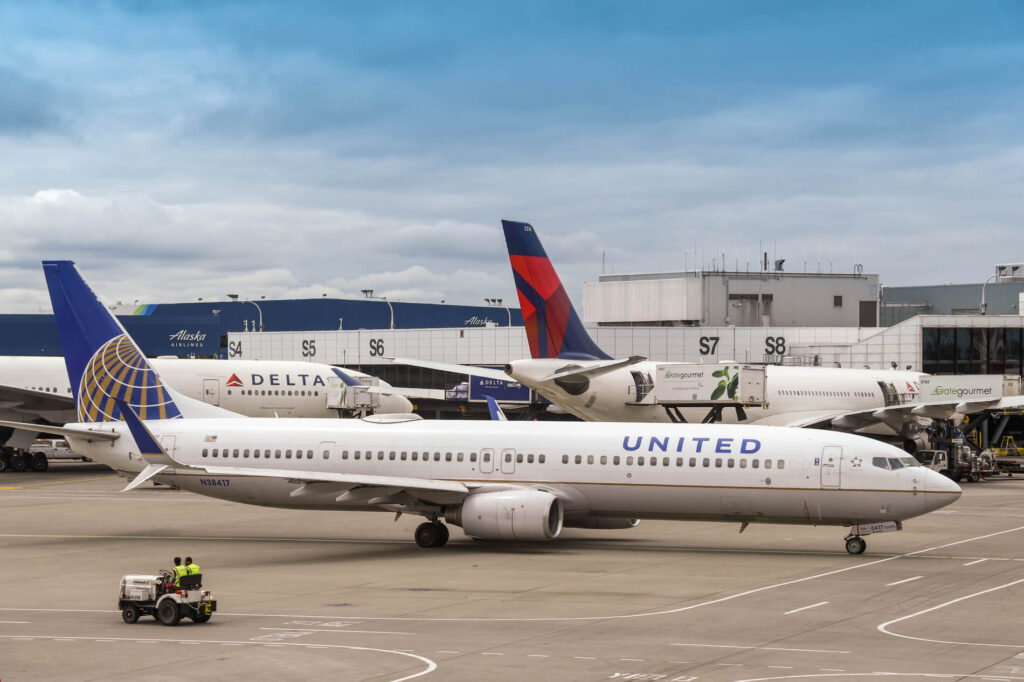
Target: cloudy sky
187	149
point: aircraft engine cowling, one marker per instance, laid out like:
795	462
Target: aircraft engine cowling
509	515
601	523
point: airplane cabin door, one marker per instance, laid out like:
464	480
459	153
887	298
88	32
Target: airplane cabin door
486	461
211	391
508	461
831	457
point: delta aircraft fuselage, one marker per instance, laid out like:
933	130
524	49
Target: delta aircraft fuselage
607	470
790	391
254	388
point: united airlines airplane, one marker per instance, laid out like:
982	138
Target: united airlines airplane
497	480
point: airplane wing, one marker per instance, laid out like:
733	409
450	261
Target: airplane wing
799	419
359	489
485	372
591	371
351	480
27	401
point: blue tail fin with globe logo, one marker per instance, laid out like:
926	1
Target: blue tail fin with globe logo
104	365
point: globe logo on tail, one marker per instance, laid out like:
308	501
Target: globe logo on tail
118	371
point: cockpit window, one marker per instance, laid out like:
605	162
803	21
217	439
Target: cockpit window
880	462
910	462
895	463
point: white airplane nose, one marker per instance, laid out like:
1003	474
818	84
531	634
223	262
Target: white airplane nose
939	490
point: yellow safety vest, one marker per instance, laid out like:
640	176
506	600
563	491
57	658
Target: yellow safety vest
192	568
179	572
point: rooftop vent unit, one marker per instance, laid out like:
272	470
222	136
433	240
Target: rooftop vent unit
1010	272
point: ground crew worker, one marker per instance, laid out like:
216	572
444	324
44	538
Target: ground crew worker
191	567
179	571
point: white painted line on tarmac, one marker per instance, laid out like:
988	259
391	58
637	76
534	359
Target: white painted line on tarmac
941	676
491	653
585	658
431	665
905	580
884	626
761	648
442	651
15	622
804	608
537	656
361	632
632	660
971	563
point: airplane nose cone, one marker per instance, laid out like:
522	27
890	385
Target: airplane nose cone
939	490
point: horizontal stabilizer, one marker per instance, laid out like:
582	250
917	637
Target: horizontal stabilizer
62	431
592	371
484	372
149	472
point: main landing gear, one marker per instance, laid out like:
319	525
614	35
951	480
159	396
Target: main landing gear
431	534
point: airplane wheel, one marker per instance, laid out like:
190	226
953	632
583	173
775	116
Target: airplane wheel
431	535
39	462
167	613
856	545
130	613
19	462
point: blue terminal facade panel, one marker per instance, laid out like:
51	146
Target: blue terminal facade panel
200	329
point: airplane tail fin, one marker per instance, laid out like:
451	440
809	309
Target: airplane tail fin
104	365
552	325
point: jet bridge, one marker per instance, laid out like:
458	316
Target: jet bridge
714	386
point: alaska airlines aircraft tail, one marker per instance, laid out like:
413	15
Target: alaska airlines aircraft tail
552	325
104	364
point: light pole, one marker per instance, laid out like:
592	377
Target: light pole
368	293
984	305
498	302
234	299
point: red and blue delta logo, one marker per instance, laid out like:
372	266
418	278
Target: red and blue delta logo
234	381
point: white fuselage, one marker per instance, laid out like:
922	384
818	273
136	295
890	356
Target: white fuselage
677	471
254	388
789	390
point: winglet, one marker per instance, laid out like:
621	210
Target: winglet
553	328
497	414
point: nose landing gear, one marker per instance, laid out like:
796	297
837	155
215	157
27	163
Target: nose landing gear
856	545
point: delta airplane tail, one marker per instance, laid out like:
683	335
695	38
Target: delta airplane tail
104	365
552	325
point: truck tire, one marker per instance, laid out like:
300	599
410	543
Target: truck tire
167	613
5	462
974	477
19	462
39	462
130	613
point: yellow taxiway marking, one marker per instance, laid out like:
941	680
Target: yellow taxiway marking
40	485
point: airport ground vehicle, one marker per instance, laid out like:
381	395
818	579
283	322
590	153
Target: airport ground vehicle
38	455
157	596
959	462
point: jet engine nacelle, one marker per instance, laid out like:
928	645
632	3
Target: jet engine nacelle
601	523
509	515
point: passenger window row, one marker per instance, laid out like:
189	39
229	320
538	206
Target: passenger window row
641	460
256	454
